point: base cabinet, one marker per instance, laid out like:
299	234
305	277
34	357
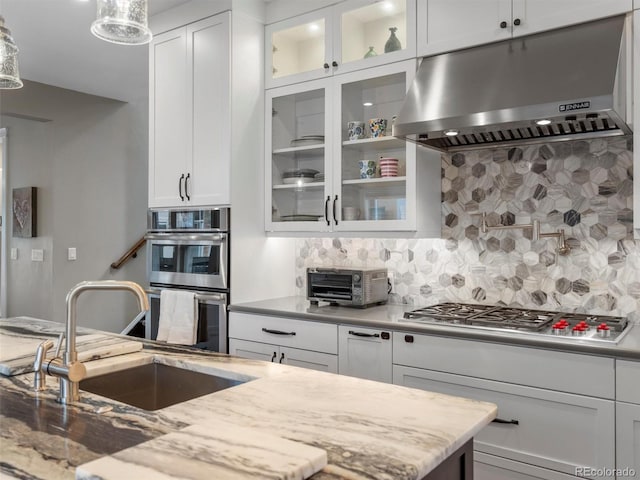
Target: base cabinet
549	429
628	439
324	362
490	467
364	353
288	341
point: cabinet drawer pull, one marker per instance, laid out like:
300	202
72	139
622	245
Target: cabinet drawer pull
180	187
516	22
186	186
385	335
360	334
335	217
408	338
503	24
273	357
281	358
277	332
510	422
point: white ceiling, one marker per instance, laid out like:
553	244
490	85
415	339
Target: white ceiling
57	48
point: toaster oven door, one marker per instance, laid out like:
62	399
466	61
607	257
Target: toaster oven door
330	286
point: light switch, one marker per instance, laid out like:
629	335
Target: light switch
72	253
14	253
37	255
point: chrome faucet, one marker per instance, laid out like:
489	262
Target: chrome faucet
562	247
69	369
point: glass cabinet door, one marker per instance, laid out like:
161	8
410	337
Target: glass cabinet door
298	196
376	172
369	33
298	49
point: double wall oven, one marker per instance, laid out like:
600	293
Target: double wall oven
189	250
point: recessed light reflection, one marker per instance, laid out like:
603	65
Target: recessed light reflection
387	6
367	104
451	133
543	122
314	27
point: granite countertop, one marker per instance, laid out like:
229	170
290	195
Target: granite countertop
391	317
367	429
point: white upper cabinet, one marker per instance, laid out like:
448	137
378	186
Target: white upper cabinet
315	175
189	115
348	36
444	25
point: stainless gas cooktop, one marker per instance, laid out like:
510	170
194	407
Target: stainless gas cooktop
570	326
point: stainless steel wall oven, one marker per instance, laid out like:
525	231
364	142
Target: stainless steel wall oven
189	250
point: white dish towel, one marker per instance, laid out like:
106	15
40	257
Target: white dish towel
178	323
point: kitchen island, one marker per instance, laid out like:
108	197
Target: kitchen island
367	429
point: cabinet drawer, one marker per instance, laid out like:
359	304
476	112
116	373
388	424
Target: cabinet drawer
628	381
554	430
490	467
566	372
320	337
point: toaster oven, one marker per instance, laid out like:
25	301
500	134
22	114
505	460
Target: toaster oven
358	287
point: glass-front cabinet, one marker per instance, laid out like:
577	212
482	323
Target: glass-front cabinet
331	162
296	146
349	36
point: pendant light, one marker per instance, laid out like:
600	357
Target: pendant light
9	76
122	21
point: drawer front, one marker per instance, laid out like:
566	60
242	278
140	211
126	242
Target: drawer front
490	467
320	337
558	431
566	372
628	381
365	353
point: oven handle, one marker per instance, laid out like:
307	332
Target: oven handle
201	297
187	237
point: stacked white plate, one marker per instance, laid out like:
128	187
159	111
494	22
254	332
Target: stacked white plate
388	167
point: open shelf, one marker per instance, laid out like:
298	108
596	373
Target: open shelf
366	145
375	181
305	150
295	186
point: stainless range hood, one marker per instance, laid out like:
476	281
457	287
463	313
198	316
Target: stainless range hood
572	79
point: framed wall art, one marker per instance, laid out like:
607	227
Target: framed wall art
23	206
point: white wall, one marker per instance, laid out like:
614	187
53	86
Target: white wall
90	166
261	267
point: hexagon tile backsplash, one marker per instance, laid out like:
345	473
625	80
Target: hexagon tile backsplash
583	187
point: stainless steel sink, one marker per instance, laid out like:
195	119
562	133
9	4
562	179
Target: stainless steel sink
155	385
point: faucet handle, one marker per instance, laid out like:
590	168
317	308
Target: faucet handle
41	353
56	354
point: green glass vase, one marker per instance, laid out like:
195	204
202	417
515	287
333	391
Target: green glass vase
393	43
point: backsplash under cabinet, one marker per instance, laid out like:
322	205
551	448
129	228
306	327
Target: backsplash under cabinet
583	187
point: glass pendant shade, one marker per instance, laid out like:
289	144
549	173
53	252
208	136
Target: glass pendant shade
122	21
9	75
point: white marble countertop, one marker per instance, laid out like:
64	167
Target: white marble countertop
391	317
367	429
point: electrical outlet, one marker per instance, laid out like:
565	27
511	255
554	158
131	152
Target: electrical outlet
14	253
391	282
37	255
72	253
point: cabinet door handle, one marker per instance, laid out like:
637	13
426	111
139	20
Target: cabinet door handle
516	22
408	338
273	357
326	210
510	422
180	187
281	358
334	63
277	332
326	66
361	334
503	24
335	218
186	186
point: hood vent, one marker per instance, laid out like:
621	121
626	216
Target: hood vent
557	85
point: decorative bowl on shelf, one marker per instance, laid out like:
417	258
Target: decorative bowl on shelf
301	175
307	140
